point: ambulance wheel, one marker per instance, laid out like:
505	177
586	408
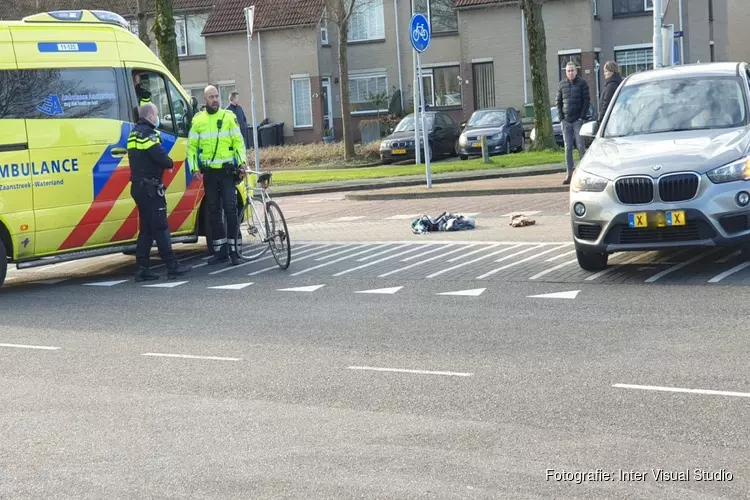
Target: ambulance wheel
3	264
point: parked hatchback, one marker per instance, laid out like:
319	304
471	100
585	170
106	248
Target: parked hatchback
669	165
442	137
501	126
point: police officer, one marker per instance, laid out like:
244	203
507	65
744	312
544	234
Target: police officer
148	161
216	153
143	89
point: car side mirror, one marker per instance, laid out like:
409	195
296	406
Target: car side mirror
588	129
463	124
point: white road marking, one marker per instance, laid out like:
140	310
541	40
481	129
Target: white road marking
617	266
492	254
729	257
345	251
425	261
469	214
254	273
557	295
402	370
730	272
506	266
377	261
231	268
454	259
169	284
518	212
183	259
403	216
679	389
310	288
552	269
189	356
552	259
384	291
334	261
22	346
236	286
681	265
105	283
50	282
501	259
349	219
368	257
466	293
428	252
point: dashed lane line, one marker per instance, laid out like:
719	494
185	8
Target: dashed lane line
506	266
617	266
319	259
455	250
189	356
729	272
491	254
553	269
454	259
507	257
334	261
231	268
269	268
557	257
428	252
383	259
24	346
368	257
404	370
680	389
729	257
676	267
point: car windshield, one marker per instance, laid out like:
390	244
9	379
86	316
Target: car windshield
487	119
407	123
675	105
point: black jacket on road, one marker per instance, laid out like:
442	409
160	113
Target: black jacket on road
608	93
573	99
148	159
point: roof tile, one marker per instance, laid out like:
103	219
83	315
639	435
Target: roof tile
16	10
474	3
228	16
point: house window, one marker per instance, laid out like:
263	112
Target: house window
134	27
302	103
625	7
324	28
563	61
440	13
442	86
365	92
188	29
367	21
225	89
634	60
484	85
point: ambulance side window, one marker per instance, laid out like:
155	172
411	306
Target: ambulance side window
151	87
181	111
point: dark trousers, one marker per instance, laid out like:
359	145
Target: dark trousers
221	194
152	215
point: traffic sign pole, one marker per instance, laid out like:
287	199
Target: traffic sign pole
420	35
249	19
417	154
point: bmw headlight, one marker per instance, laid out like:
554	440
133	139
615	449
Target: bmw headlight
584	181
737	171
384	145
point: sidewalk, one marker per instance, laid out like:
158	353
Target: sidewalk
532	179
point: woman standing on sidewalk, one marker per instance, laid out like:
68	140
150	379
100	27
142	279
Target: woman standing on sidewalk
613	80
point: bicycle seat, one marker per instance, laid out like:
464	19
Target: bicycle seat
265	178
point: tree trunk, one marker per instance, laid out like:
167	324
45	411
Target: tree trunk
166	39
142	24
539	84
346	116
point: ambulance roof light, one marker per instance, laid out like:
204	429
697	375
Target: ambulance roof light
111	17
103	16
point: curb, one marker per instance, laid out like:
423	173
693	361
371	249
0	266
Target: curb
411	181
454	194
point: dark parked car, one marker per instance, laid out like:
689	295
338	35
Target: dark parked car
557	126
442	137
503	129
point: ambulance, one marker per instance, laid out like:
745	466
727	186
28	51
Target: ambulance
70	85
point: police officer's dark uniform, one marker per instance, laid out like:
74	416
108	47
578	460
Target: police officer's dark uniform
148	160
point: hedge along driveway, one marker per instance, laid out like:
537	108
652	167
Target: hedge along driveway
291	177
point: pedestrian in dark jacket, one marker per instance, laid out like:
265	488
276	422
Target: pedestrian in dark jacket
573	101
234	107
613	81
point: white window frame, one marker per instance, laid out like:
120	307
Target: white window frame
133	24
645	47
380	11
324	28
646	7
295	122
427	73
224	84
429	15
357	75
181	22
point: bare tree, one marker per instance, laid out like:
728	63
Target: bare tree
142	24
537	38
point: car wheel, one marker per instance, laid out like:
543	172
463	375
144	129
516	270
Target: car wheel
523	143
454	153
464	157
507	146
592	261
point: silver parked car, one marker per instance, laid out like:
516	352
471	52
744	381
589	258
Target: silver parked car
669	166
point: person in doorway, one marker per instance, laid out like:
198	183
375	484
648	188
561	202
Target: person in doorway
613	79
573	101
234	107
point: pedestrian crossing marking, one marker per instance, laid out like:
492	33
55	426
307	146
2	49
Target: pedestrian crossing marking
105	283
385	291
476	292
169	284
310	288
557	295
236	286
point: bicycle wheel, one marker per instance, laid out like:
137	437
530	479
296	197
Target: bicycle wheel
251	234
278	235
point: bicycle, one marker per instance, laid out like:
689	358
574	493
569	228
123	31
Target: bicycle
271	233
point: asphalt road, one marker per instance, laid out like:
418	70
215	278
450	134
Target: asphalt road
310	383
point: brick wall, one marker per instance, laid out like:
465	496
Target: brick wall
588	73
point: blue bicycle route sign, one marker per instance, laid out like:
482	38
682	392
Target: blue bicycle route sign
420	32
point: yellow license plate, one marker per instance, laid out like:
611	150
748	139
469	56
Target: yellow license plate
476	145
638	219
660	219
675	218
399	151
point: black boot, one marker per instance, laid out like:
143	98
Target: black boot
144	274
217	259
177	270
236	261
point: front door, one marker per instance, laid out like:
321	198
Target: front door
327	108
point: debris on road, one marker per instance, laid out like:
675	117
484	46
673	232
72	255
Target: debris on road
520	220
444	222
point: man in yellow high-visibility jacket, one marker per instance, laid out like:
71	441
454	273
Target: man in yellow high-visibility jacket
216	153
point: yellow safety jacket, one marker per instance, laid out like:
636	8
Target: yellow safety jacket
215	139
